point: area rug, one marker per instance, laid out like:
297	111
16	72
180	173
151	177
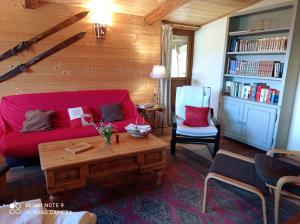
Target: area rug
178	200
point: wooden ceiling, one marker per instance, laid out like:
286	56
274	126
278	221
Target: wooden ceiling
192	12
199	12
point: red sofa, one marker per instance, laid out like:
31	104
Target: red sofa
21	146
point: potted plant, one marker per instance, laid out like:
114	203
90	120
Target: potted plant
106	130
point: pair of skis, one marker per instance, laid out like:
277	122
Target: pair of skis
26	44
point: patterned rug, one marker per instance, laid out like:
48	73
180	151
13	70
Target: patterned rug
177	200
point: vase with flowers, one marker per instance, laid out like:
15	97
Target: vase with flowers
106	130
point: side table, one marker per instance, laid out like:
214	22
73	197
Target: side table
151	112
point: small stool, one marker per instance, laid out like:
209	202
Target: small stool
238	171
3	170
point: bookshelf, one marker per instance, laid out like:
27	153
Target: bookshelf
256	52
253	77
260	69
256	32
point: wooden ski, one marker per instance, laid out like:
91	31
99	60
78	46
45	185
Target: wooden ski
26	44
23	67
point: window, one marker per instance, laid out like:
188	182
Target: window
179	56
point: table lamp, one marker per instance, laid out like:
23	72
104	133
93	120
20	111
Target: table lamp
158	72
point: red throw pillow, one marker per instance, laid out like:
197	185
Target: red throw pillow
196	116
80	116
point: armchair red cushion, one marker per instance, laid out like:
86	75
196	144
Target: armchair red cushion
196	116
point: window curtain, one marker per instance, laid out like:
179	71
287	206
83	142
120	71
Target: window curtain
165	84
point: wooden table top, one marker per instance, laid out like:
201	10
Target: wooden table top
53	154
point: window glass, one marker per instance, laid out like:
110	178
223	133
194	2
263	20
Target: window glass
179	56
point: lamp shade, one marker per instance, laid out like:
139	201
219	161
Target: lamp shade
158	72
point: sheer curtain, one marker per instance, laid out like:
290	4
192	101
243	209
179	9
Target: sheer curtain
166	56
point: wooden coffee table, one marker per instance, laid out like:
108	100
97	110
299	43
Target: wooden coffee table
64	170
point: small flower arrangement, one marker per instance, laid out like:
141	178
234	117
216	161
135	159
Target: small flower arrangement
106	130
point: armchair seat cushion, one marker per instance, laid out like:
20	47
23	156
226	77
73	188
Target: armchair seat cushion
272	169
210	130
237	169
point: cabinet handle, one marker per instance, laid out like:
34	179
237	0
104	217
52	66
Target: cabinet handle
67	177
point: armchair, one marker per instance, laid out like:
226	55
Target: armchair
197	97
280	176
257	175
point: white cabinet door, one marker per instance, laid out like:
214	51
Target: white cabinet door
258	125
232	115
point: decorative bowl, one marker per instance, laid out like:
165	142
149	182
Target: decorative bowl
138	134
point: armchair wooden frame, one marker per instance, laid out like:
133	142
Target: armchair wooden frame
178	138
292	154
295	155
235	183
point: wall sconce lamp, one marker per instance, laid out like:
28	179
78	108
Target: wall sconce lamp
100	30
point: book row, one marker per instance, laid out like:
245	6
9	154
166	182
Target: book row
258	92
259	44
255	68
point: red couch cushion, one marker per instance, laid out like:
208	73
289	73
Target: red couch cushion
196	116
13	109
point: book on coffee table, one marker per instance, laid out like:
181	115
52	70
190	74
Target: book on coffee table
79	147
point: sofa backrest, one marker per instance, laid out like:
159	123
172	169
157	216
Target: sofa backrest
13	108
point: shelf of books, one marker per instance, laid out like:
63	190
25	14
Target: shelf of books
255	58
255	92
259	66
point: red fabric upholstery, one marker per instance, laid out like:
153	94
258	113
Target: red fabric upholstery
19	145
196	116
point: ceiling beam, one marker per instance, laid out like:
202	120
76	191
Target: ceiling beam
30	4
163	10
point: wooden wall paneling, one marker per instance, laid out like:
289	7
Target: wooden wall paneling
131	7
123	60
30	4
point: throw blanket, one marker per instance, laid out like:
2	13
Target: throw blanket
29	212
